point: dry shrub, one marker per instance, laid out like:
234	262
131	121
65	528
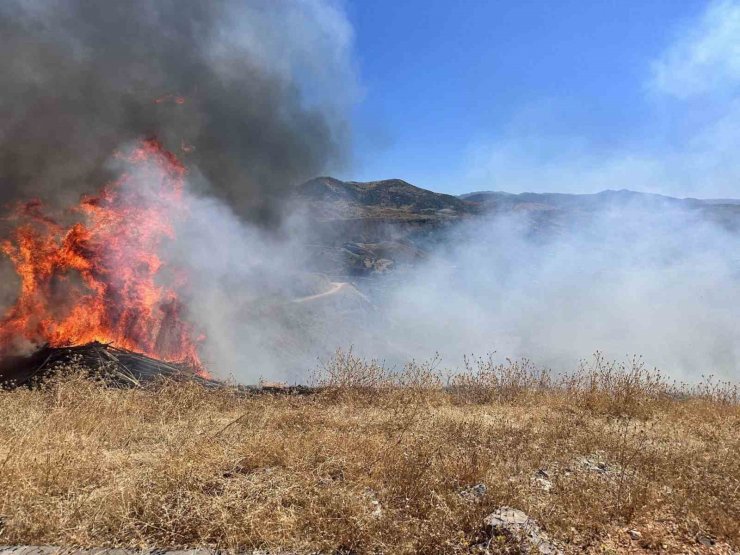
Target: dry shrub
484	381
376	461
617	389
349	372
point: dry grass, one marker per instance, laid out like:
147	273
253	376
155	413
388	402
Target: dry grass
375	462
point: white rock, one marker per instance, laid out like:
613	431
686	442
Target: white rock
517	524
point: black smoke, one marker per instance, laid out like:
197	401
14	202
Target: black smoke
229	85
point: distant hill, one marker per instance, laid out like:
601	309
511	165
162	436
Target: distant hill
364	228
553	210
395	198
727	201
588	201
392	199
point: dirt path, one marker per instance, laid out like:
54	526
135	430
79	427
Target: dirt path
336	287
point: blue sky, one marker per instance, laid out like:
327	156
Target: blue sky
572	96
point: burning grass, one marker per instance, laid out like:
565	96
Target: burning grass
102	278
375	461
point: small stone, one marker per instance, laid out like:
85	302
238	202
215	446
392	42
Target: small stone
545	485
474	493
482	548
706	541
377	509
634	534
595	466
518	525
506	518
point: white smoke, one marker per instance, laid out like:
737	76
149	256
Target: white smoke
625	280
656	280
651	279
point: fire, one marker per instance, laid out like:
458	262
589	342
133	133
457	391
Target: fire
100	279
176	98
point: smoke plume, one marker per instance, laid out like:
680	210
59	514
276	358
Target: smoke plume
651	279
628	279
252	94
252	97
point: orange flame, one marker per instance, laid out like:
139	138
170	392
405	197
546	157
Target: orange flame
176	98
99	280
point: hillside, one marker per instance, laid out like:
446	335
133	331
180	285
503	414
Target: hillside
364	228
550	210
488	200
567	200
390	199
369	228
398	201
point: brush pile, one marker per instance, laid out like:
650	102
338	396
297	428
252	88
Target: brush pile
118	367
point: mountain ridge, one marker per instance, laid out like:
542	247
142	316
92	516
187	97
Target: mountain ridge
388	194
398	193
363	228
606	194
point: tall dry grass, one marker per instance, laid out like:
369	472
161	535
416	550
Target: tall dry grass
376	461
